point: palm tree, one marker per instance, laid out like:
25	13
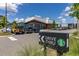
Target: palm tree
75	12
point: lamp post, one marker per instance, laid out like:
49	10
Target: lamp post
6	10
6	14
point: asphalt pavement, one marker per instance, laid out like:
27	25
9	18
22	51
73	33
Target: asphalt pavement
11	45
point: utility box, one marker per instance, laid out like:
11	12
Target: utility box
55	39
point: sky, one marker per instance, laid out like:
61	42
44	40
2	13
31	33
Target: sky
54	11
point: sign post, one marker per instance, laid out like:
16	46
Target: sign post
54	39
45	49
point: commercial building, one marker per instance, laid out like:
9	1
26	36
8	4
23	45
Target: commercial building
38	23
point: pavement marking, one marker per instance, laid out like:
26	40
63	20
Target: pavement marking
12	38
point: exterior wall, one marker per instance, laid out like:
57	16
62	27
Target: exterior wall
39	25
71	26
35	24
48	26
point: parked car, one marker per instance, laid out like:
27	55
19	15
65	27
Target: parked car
29	30
4	29
64	28
8	29
18	30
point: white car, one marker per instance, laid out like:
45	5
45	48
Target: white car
4	30
8	29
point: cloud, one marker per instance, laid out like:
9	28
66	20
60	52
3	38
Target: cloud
19	20
67	8
63	20
47	18
16	19
11	7
67	14
75	19
60	17
38	16
64	16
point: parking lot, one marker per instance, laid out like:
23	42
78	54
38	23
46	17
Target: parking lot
10	45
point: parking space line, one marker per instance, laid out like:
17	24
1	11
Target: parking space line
12	38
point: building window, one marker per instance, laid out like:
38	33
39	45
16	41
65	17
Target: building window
42	26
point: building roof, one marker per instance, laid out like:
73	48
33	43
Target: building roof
44	20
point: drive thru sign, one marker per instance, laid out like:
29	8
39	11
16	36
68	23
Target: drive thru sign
55	39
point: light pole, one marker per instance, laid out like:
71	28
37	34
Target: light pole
6	13
6	10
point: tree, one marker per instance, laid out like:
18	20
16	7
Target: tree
14	25
54	25
75	11
4	21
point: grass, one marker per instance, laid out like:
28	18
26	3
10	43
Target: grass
6	33
73	48
35	51
73	45
30	51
